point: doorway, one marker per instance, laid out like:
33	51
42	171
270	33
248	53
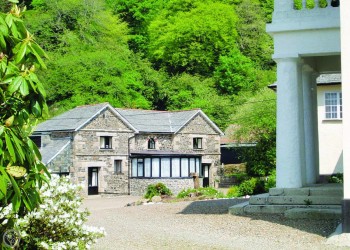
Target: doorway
93	181
205	174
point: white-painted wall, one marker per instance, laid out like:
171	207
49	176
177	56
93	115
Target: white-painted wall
330	134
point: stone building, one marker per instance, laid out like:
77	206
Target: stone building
122	151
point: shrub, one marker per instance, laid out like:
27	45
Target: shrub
58	222
233	191
336	178
322	3
271	181
298	4
251	186
157	190
204	192
310	4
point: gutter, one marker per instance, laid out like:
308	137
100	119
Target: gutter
129	163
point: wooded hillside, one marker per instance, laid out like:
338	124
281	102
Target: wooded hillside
159	54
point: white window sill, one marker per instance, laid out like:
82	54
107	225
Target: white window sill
332	119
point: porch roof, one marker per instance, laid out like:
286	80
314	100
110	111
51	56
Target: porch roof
161	153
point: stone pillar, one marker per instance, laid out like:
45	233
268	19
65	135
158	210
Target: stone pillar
345	66
310	125
290	125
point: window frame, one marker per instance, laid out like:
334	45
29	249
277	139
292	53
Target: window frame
118	166
156	169
198	143
333	111
151	144
103	143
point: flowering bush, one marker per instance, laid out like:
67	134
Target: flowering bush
57	223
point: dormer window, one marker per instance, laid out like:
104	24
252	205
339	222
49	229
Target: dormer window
106	142
151	143
197	143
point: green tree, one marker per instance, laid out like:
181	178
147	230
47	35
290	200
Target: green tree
256	120
138	14
235	73
90	59
22	99
253	40
191	38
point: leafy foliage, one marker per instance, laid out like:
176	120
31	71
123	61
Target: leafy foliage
298	4
310	4
322	3
258	124
157	190
22	98
203	192
253	40
191	38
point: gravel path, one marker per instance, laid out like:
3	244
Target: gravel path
200	225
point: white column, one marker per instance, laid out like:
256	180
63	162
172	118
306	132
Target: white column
310	124
290	124
345	71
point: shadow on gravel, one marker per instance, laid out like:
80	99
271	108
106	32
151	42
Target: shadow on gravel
322	227
219	206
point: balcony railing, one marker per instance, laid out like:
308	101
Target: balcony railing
287	17
287	5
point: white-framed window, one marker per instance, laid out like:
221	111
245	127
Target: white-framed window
197	143
165	167
106	142
333	105
118	167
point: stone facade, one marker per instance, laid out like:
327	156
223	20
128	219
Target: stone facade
139	186
105	143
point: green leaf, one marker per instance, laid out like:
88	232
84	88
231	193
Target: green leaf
19	146
2	128
15	84
36	109
16	202
27	201
24	90
9	20
35	149
21	52
2	42
3	185
38	57
16	199
14	30
9	146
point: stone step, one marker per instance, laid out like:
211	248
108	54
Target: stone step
318	190
313	213
246	208
266	199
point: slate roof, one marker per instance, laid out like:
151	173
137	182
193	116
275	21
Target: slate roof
149	121
71	120
53	148
157	121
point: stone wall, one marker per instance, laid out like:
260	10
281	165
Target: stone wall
62	162
116	184
163	142
139	186
88	153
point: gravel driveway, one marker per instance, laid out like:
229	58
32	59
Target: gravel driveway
200	225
